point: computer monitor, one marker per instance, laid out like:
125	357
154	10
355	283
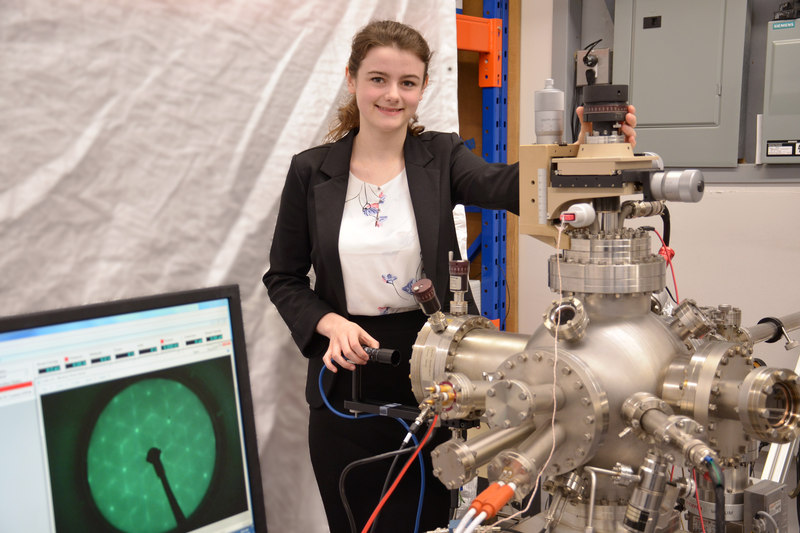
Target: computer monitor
129	416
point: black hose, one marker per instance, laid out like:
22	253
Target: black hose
361	462
719	508
665	221
388	480
717	477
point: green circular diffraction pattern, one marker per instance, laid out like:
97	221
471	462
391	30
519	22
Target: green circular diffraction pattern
159	413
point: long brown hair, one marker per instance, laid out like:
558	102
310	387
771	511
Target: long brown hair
378	33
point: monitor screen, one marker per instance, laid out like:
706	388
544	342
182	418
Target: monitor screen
130	416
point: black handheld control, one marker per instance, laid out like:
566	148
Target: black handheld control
386	356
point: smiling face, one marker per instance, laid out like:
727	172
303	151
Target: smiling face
388	88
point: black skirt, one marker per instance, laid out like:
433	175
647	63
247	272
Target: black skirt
336	442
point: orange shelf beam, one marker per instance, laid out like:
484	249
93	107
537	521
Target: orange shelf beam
484	36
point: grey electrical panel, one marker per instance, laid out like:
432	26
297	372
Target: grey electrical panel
683	62
779	138
766	497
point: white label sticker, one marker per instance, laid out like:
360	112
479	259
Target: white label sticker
779	149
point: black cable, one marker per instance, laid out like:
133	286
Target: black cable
590	60
388	480
670	294
719	509
589	47
575	123
361	462
666	222
666	243
577	96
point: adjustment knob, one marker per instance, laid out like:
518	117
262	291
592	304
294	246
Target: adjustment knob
678	185
425	295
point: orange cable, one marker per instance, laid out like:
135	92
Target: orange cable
697	494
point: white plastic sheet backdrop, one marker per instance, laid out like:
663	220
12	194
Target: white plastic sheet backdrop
143	148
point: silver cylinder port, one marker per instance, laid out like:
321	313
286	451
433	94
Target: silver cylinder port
567	319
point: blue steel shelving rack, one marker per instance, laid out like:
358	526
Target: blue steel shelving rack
491	242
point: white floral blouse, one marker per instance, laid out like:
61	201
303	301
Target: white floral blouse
379	247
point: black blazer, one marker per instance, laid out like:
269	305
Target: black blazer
441	172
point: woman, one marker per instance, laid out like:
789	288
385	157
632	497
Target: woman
371	212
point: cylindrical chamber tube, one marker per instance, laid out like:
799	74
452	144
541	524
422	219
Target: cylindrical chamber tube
523	464
455	462
767	330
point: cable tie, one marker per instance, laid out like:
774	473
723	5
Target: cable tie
667	252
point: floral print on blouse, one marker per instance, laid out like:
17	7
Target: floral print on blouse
379	247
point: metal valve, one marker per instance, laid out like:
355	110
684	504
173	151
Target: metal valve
425	294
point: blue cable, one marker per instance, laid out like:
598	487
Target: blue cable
421	475
333	410
714	471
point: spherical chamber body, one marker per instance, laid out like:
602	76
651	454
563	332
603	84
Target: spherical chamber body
625	349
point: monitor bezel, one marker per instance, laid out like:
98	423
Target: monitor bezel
170	299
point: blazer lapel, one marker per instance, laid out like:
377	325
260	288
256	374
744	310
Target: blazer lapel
329	198
424	186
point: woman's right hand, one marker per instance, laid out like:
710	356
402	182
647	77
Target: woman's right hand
628	127
346	340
